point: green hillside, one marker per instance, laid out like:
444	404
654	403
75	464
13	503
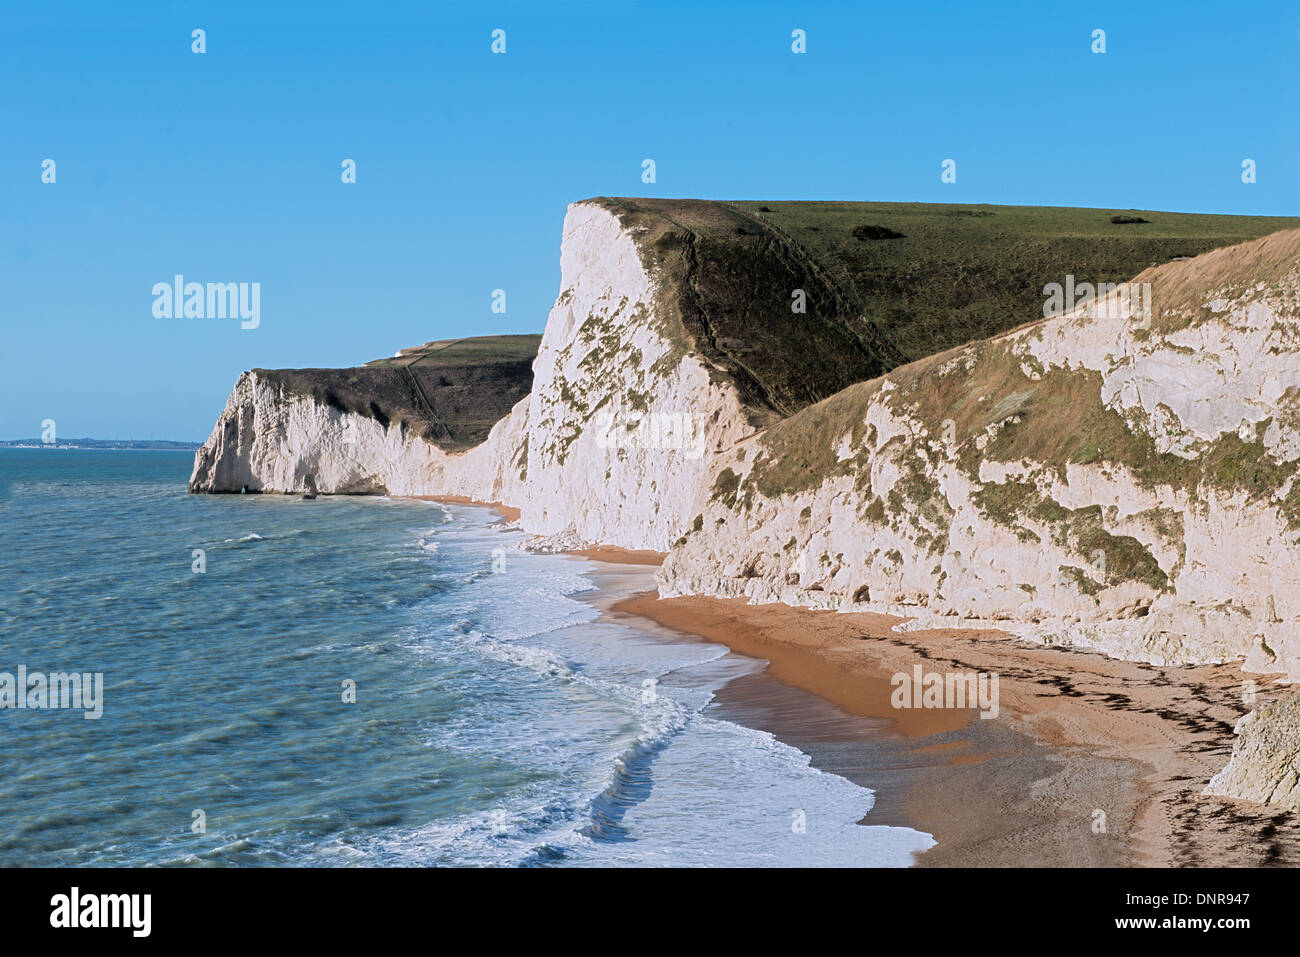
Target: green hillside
884	283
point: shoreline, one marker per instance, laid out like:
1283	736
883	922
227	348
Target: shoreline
508	512
1091	761
834	741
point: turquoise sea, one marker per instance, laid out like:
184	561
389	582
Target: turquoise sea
497	717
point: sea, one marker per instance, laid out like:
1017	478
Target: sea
366	682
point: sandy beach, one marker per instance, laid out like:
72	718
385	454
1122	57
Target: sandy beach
508	512
1090	762
621	556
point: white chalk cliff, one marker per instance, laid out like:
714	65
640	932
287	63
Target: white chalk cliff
1118	482
608	447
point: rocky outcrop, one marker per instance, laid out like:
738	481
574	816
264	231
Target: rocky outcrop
624	417
1265	765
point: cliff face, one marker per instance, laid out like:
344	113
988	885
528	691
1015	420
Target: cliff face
624	416
1107	479
608	447
1117	479
271	439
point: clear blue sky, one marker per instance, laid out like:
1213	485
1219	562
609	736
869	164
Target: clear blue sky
225	166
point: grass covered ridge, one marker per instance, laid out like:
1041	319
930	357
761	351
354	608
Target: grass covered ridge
450	392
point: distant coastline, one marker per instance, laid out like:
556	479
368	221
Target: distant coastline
148	445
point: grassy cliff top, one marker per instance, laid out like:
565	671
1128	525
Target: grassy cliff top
475	350
884	283
450	392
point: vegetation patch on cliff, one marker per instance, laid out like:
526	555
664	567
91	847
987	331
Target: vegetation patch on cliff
1002	406
1182	291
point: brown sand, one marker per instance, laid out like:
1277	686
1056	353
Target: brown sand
824	660
508	512
1092	761
621	556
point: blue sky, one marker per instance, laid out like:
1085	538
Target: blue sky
225	166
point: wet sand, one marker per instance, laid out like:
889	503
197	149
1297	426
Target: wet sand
1090	762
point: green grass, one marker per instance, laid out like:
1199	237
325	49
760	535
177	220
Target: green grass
954	275
968	272
475	350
